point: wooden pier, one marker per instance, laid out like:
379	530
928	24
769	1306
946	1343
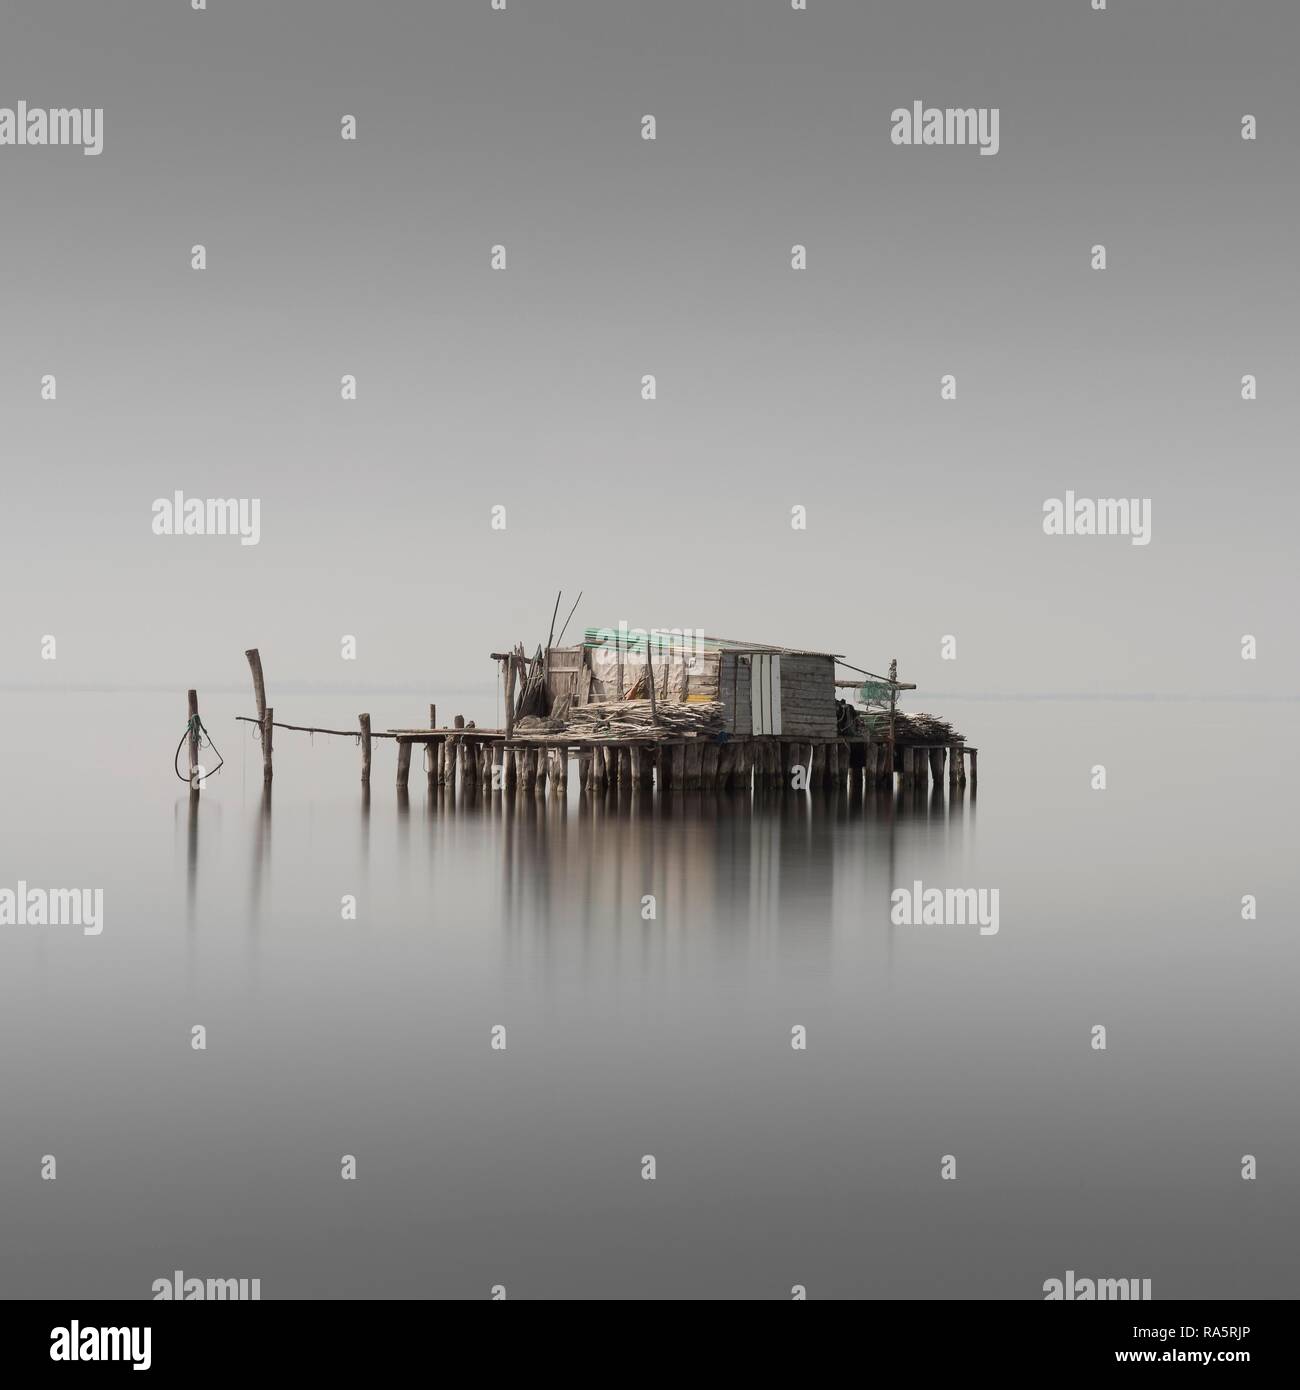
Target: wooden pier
663	752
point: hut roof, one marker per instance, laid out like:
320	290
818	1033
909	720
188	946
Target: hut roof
675	639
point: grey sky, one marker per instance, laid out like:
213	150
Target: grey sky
776	388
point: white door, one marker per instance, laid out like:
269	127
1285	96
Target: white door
765	693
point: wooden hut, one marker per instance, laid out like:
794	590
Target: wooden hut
765	690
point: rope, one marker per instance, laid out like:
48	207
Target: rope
195	728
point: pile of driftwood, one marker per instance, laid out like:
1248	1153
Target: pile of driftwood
911	729
627	719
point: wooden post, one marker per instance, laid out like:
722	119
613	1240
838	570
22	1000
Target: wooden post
975	769
511	769
954	763
584	769
726	764
192	703
597	779
403	764
510	696
364	721
936	764
463	751
450	759
961	766
679	766
259	685
268	724
709	771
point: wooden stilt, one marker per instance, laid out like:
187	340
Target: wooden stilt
541	755
364	721
511	769
974	770
403	765
498	770
679	767
936	765
961	766
584	769
817	765
192	709
709	767
268	729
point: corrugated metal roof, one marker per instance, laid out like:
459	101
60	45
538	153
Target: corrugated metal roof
675	639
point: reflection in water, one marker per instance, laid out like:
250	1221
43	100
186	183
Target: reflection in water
261	852
625	867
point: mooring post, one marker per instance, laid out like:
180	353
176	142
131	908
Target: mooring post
259	685
364	721
192	703
268	724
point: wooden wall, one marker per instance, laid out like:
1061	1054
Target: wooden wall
733	691
808	696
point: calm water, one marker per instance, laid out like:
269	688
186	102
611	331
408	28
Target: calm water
669	1037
